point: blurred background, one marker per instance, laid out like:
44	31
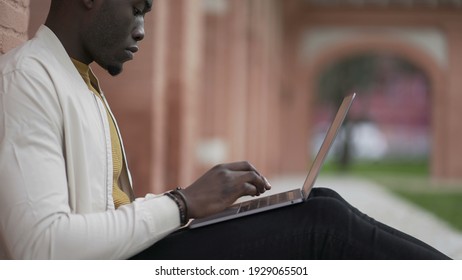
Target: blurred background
259	80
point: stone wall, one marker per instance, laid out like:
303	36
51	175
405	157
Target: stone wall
14	18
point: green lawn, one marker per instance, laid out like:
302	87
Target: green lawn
447	206
412	182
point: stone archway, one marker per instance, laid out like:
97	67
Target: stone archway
416	56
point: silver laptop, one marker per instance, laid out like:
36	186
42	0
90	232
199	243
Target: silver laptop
289	197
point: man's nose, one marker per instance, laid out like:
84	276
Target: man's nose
138	32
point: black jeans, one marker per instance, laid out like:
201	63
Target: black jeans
325	226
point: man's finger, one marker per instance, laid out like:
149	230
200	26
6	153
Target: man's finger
240	166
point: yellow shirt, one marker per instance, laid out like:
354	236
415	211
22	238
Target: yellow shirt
120	198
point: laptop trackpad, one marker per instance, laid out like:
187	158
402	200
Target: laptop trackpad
233	209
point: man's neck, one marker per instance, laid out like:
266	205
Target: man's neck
67	32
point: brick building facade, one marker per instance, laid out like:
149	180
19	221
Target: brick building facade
221	80
14	20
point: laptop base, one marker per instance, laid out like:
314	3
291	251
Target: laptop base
250	207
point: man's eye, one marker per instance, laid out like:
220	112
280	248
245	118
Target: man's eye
137	12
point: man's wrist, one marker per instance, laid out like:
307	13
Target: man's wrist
180	199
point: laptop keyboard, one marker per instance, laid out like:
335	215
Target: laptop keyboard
266	201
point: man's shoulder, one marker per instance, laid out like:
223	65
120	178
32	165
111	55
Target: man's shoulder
24	57
35	54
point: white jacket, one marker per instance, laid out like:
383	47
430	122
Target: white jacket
56	166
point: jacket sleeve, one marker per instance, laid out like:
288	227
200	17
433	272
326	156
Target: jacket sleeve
36	221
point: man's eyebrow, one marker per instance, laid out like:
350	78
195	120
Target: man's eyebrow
147	5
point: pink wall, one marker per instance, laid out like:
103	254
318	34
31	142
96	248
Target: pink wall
14	18
236	76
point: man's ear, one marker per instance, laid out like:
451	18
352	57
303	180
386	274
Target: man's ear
88	3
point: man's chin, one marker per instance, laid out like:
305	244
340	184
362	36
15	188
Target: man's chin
114	70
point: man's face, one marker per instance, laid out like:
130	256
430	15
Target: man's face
113	31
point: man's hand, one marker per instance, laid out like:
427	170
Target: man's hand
221	186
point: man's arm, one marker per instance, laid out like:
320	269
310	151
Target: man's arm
36	221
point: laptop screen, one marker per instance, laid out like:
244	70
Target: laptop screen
326	144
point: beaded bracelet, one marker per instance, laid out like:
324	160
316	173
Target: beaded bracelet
179	198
